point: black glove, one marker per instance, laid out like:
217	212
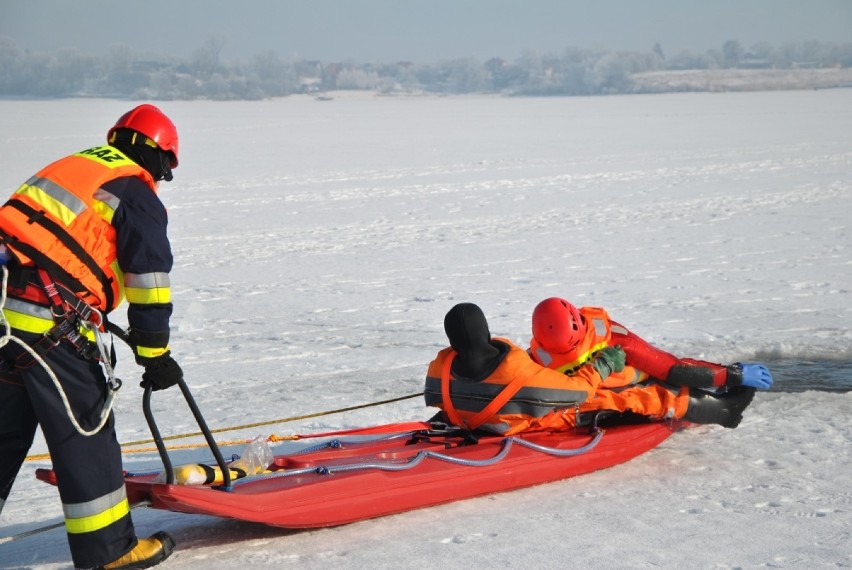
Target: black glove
608	360
163	373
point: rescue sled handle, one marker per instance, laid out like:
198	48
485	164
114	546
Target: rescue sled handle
199	419
155	432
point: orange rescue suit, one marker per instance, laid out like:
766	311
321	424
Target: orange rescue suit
520	395
637	388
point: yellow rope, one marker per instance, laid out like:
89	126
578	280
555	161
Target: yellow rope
43	456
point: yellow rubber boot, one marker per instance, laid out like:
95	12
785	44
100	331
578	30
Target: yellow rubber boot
147	552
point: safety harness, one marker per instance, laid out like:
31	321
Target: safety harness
70	313
75	320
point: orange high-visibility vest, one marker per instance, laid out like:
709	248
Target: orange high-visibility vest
520	395
60	220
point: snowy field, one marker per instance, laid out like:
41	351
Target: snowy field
318	246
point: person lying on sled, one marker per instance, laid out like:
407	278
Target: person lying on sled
486	383
653	383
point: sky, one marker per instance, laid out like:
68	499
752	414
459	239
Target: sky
420	31
318	246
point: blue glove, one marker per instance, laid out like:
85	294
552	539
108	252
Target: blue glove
756	376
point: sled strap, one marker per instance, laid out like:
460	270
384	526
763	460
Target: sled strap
493	406
498	402
449	408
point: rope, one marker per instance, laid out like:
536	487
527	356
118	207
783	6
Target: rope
281	420
272	438
114	385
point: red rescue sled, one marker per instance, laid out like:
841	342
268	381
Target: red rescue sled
333	479
347	482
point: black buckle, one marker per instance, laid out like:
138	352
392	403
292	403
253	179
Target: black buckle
449	434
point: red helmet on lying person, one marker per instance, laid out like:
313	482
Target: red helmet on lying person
557	325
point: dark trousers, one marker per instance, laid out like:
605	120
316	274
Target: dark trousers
88	468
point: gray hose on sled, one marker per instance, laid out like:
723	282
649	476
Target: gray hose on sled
506	446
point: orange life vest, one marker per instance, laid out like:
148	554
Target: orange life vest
60	220
520	395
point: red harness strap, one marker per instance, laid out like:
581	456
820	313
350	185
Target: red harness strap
65	304
68	312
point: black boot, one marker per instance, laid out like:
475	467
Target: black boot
724	409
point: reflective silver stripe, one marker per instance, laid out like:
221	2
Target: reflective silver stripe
157	280
637	375
618	329
107	198
95	506
58	193
600	326
632	381
474	397
29	309
543	356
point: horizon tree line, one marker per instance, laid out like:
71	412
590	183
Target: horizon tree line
122	72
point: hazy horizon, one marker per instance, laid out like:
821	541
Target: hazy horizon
388	30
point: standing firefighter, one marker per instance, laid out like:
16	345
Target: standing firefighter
81	235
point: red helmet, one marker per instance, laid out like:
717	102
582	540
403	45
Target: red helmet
151	122
557	325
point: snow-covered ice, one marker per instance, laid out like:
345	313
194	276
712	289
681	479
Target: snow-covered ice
318	246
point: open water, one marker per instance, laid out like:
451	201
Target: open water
793	375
